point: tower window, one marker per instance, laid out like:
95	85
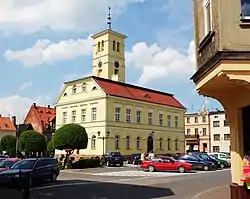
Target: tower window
102	45
118	46
74	89
116	72
113	45
99	47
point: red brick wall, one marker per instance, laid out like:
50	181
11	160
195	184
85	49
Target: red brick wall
33	119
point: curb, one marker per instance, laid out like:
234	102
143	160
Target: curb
199	195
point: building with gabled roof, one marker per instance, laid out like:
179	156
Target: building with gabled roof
119	116
6	127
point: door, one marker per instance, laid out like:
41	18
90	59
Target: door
150	144
38	170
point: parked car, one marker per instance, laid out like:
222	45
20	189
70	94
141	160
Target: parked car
173	155
198	164
222	157
113	158
223	163
162	163
204	156
134	158
7	164
39	169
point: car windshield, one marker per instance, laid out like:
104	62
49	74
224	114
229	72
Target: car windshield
115	154
4	164
214	157
24	164
204	156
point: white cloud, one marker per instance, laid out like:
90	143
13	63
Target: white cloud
25	85
29	16
18	105
46	52
158	64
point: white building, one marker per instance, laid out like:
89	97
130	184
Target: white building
220	132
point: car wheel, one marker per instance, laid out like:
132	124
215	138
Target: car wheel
108	164
121	164
53	177
181	169
205	168
151	169
222	166
133	162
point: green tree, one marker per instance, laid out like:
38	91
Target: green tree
8	144
31	142
51	148
72	136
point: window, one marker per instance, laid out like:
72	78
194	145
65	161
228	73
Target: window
169	120
176	144
102	45
138	143
188	131
226	123
73	116
169	144
138	116
99	47
127	142
245	9
226	136
93	142
83	115
150	118
204	119
83	86
215	116
216	123
216	149
117	114
196	119
176	121
74	89
117	142
204	131
216	137
128	115
161	119
207	17
188	120
118	46
116	71
160	143
113	45
64	117
196	131
93	113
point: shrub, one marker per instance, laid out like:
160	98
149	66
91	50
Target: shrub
84	163
8	144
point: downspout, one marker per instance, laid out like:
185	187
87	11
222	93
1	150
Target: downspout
106	122
209	134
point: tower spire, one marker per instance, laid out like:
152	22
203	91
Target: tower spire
109	19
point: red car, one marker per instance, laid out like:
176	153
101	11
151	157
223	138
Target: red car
162	163
7	163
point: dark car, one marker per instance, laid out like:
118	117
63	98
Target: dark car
134	158
113	158
206	157
198	164
38	169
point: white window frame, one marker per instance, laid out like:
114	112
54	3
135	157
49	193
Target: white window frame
93	114
138	116
160	119
83	115
117	114
65	118
207	3
150	118
128	115
73	116
168	120
176	121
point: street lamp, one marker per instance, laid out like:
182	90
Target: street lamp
103	138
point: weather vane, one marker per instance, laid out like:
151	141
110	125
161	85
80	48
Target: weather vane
109	19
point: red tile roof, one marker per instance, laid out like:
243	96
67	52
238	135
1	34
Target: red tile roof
129	91
6	124
45	114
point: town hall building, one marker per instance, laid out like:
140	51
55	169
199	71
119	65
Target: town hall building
116	115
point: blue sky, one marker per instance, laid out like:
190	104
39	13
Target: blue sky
44	43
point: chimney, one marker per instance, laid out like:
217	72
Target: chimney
34	104
14	120
48	106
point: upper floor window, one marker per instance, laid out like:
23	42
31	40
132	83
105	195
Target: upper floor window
226	136
196	119
64	117
128	115
118	46
74	89
73	116
196	131
188	120
99	47
102	45
216	116
93	113
138	116
161	119
245	10
216	137
83	115
226	123
207	16
169	120
150	118
204	131
216	123
188	131
204	119
117	114
114	45
216	149
83	86
176	121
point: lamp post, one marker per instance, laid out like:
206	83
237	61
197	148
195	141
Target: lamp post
103	138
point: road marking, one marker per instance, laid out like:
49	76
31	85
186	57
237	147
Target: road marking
197	196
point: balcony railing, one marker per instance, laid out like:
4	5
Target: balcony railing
192	136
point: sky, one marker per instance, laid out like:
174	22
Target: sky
44	43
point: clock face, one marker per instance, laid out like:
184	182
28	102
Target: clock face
100	64
117	64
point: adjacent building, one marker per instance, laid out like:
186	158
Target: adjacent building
220	132
197	131
6	127
42	120
119	116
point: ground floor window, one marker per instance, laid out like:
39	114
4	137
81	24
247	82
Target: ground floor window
216	149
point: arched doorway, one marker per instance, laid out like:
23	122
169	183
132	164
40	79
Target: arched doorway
150	144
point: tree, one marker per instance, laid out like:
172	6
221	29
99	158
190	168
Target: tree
51	148
31	142
8	144
71	136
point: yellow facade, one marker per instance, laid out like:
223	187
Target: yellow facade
84	102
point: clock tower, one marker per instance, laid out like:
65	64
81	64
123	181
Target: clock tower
109	54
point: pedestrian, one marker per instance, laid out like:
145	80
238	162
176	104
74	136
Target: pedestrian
142	157
151	155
